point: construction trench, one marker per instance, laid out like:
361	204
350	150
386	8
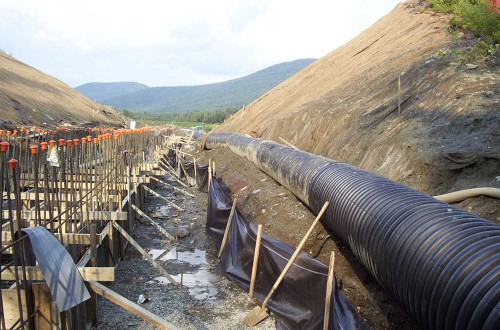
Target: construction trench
81	205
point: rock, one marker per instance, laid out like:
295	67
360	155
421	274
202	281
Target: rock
183	232
142	299
263	211
256	191
470	66
489	93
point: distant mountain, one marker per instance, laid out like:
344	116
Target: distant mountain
103	91
232	93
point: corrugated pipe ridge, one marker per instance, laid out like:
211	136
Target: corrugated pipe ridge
440	263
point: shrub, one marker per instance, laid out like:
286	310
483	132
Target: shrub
478	16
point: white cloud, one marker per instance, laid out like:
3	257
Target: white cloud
176	42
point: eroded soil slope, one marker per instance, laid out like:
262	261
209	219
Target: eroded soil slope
31	97
345	106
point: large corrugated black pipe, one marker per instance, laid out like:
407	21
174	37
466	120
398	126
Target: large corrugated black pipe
440	263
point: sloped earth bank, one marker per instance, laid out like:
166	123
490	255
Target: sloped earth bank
206	301
445	136
264	201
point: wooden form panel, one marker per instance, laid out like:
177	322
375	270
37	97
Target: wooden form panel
11	306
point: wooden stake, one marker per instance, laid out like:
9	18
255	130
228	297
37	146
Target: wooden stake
174	175
260	313
399	94
166	200
157	226
227	227
184	171
130	306
288	143
190	137
209	176
255	261
93	244
145	254
194	164
173	187
329	288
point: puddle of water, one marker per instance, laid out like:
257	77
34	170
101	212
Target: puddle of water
199	284
198	257
155	253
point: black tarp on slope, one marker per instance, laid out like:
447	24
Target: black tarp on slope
201	177
299	301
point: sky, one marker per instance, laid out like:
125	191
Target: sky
175	43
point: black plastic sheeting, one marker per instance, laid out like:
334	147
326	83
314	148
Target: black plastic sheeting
58	268
200	177
299	301
440	263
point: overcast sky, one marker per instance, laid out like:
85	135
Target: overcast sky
181	42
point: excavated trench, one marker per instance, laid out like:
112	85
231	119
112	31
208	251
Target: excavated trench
206	299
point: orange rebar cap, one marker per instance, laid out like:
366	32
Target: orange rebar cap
4	146
76	142
89	138
69	143
13	164
84	140
44	145
34	150
52	143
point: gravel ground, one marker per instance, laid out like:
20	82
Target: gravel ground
207	300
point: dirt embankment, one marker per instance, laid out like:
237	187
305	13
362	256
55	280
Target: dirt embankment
263	201
30	97
445	136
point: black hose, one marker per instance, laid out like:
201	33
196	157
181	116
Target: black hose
440	263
